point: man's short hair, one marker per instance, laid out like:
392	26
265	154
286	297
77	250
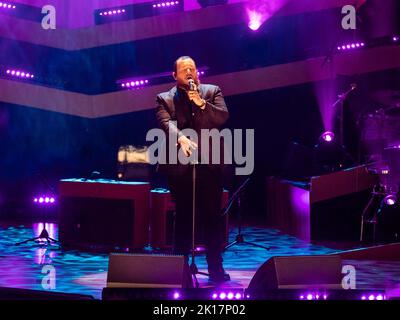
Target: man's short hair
180	58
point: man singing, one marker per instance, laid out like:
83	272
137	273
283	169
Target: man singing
197	106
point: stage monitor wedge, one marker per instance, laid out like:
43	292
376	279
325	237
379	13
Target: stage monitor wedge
297	272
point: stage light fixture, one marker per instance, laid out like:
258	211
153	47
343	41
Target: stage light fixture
44	199
350	46
209	3
134	83
19	74
7	6
165	4
390	199
113	12
327	136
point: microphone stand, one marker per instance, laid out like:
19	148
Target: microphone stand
193	268
239	236
340	101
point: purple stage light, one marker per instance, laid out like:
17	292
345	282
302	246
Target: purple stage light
7	5
390	200
328	136
373	296
395	38
313	296
19	73
350	46
44	200
134	83
254	25
176	295
112	12
234	294
165	4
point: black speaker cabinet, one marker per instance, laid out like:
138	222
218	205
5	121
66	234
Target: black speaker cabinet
297	272
148	271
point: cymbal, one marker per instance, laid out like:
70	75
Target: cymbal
387	97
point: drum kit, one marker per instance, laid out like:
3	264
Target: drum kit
381	138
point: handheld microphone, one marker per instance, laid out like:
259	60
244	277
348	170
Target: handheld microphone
192	85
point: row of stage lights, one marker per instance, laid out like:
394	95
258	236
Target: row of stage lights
44	200
112	12
4	5
165	4
137	84
140	83
243	294
139	11
351	46
19	74
359	44
125	84
156	5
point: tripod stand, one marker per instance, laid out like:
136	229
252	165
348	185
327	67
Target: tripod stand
239	237
43	235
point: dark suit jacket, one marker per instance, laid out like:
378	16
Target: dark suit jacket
175	105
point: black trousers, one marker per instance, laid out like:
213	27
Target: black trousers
208	213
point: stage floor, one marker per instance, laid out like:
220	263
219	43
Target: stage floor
82	272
